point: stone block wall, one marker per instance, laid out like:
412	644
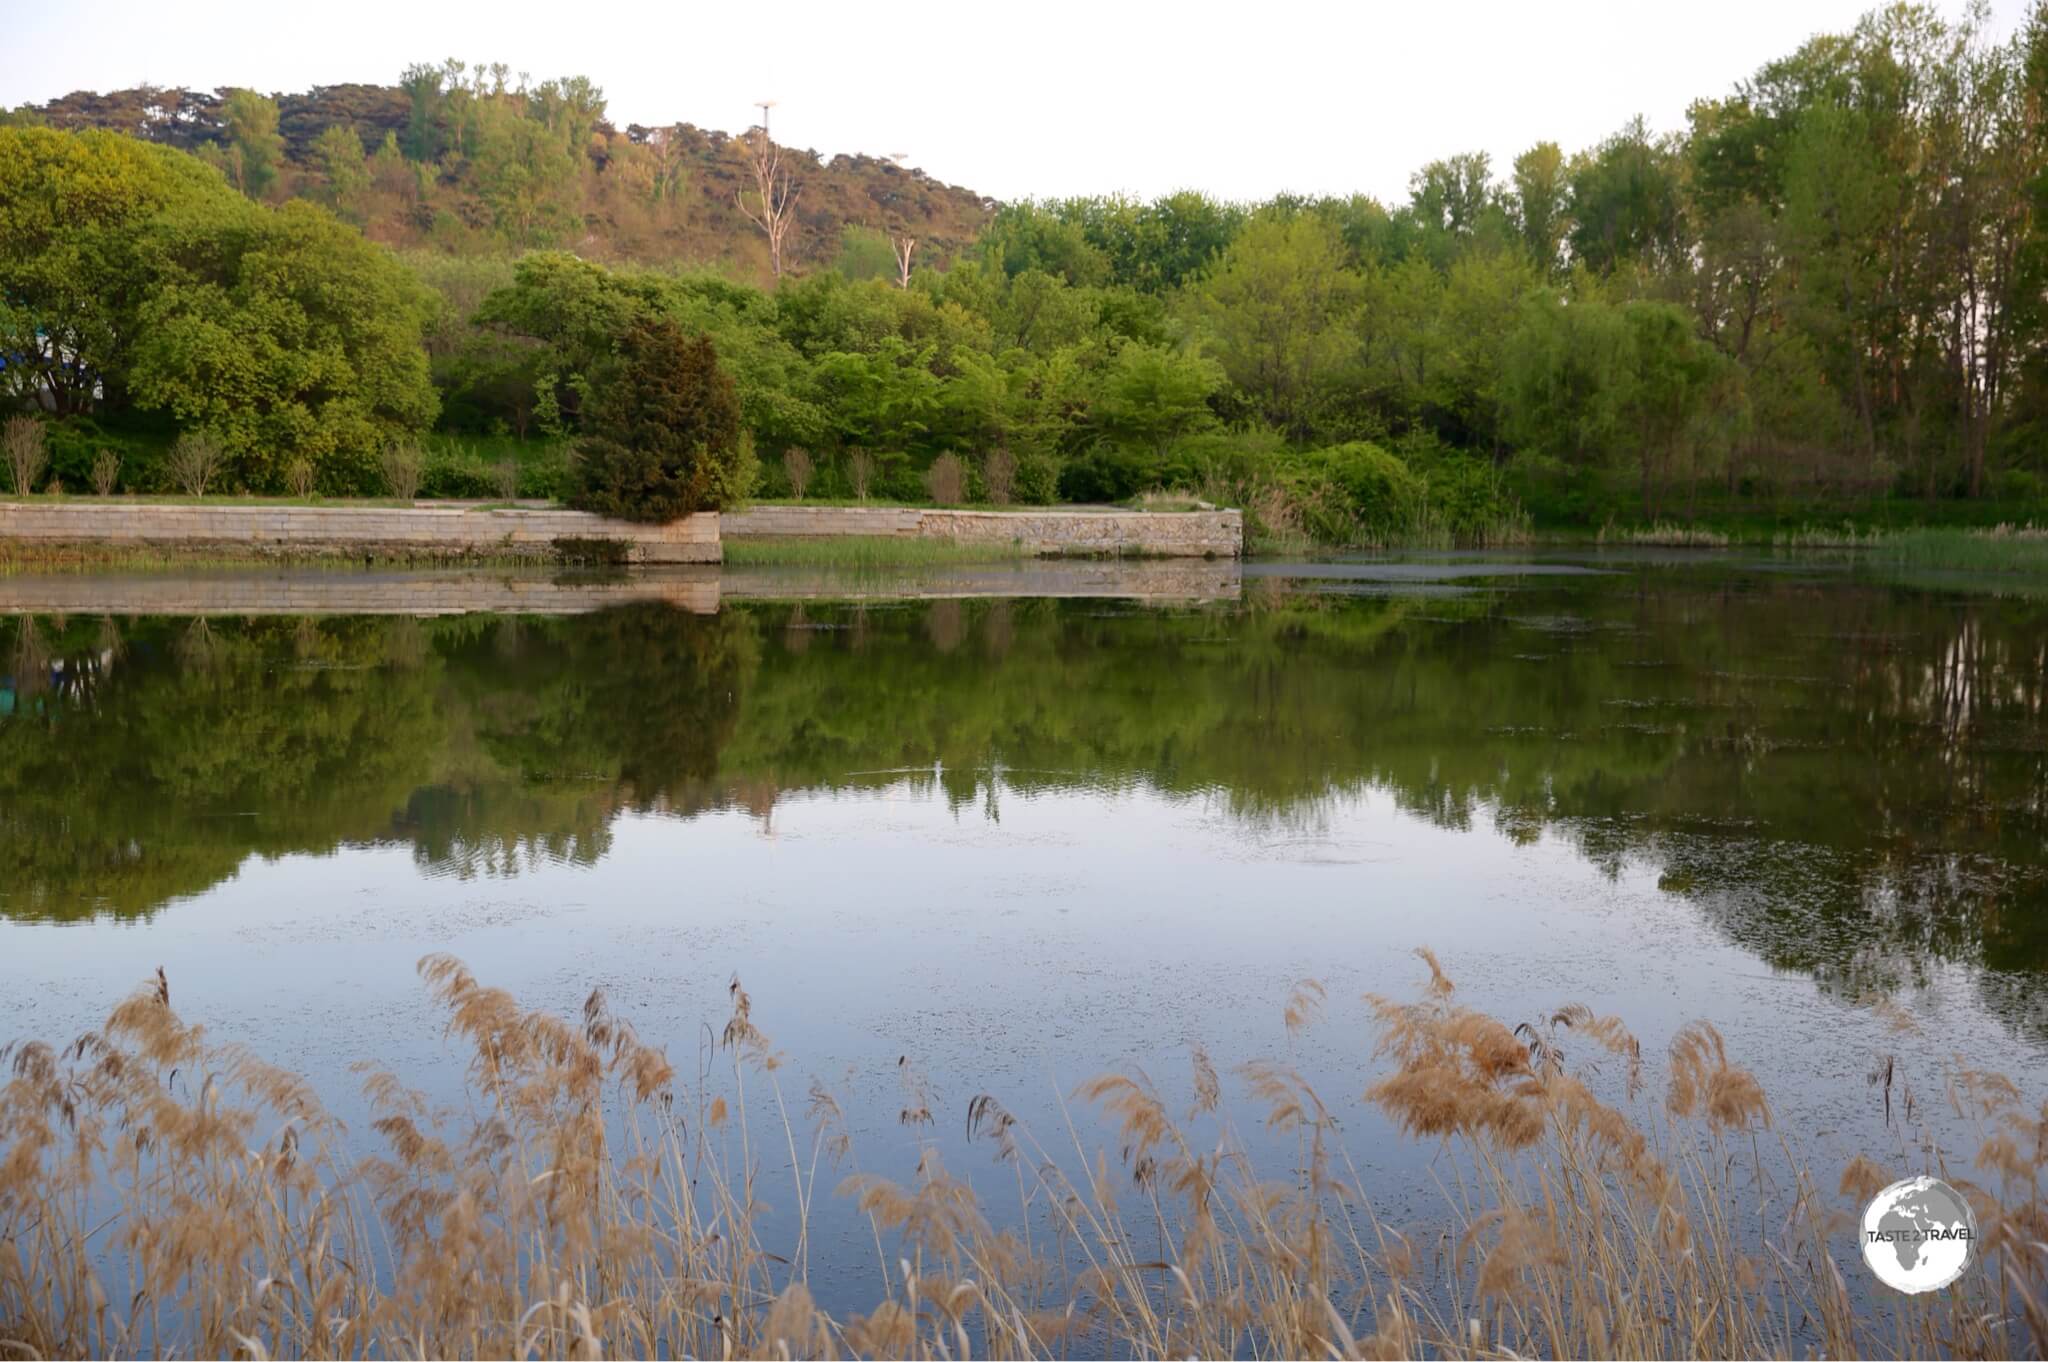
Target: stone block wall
818	522
1046	533
436	532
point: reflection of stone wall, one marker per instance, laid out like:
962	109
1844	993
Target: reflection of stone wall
529	591
448	591
1154	580
1166	534
452	532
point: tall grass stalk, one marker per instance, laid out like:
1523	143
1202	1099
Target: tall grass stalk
162	1194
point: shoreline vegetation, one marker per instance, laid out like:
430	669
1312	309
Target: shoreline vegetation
596	1200
462	284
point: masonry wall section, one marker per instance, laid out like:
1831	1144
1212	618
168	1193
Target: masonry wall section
1158	534
414	532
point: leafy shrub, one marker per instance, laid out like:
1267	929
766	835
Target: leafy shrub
1469	502
2016	484
1356	493
666	438
1108	474
462	476
773	483
1038	480
901	480
550	475
505	479
299	478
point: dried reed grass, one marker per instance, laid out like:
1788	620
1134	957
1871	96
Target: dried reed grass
162	1194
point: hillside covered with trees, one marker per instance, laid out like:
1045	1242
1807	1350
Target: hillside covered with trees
1825	296
472	159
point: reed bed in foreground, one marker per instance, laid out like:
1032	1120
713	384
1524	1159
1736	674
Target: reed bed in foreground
159	1194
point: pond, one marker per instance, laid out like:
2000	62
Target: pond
956	840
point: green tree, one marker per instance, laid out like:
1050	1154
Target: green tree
78	258
256	150
1540	203
667	439
290	336
1626	202
1154	395
339	154
1279	312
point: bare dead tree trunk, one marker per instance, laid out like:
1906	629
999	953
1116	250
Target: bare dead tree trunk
905	246
776	197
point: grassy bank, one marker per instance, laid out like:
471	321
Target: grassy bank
2005	549
594	1199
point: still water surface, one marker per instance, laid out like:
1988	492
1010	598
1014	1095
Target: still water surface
1003	844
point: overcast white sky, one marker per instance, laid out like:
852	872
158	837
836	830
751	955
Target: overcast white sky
1051	98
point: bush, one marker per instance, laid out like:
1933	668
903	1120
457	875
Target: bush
2016	484
1106	474
797	467
402	467
461	476
195	461
26	454
999	474
666	438
860	472
141	442
106	471
1469	502
1356	493
1038	480
900	479
946	479
550	475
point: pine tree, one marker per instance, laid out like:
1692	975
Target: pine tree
666	440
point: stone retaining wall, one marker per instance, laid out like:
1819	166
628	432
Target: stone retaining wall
1162	534
437	532
1157	581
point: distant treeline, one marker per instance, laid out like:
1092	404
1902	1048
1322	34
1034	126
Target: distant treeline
1829	290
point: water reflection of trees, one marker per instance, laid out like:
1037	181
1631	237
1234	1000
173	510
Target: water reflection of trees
1849	780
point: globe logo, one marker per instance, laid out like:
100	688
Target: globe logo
1918	1235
